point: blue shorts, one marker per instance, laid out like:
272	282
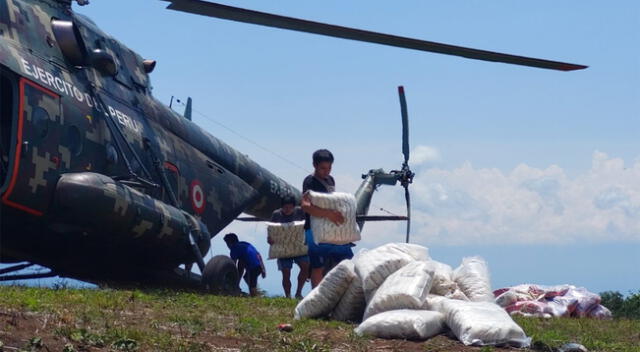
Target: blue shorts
325	253
287	263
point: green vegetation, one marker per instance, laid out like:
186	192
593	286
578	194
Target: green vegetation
39	319
620	306
122	320
619	335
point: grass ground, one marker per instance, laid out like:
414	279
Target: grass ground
39	319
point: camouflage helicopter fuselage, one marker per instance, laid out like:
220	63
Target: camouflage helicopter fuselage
98	179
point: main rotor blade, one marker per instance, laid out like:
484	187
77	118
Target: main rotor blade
405	124
381	218
358	218
211	9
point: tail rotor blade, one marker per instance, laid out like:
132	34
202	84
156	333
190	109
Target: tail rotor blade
406	196
405	124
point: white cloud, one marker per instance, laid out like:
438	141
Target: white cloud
478	206
424	154
527	205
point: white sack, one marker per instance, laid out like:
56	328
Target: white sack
512	296
600	312
457	294
482	323
472	276
403	324
407	288
322	299
352	304
434	302
325	231
287	238
442	279
417	252
375	265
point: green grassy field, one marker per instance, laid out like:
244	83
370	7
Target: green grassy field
41	319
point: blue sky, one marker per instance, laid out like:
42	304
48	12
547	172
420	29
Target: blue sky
535	170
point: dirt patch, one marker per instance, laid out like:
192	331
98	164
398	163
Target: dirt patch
42	332
25	330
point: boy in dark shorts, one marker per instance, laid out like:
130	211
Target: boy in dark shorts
322	255
289	212
248	261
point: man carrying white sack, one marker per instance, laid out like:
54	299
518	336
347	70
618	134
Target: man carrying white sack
322	256
288	213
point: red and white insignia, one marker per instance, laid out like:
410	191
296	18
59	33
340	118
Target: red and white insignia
197	197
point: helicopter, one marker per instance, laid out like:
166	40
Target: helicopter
101	182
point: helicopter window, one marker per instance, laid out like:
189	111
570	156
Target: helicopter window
172	172
40	119
74	140
112	154
6	112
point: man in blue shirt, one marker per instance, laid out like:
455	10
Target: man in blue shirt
248	260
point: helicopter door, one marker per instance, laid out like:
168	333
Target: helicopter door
7	113
36	157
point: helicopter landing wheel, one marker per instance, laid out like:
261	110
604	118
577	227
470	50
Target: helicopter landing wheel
220	276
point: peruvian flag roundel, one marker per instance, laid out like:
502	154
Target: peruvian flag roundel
197	197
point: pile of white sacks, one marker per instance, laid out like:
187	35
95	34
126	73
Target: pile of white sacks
398	291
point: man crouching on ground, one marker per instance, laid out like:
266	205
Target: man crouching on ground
248	261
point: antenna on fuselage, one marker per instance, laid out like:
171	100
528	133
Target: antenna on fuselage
187	109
